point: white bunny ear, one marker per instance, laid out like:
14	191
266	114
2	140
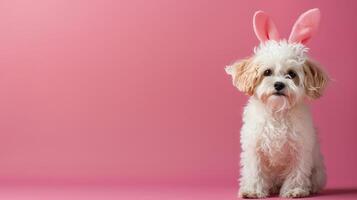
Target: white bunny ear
305	26
264	27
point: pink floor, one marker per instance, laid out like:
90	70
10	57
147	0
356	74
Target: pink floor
142	193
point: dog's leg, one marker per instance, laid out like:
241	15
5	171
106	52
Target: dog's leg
318	176
298	183
253	182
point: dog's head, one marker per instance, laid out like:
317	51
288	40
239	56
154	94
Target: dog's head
279	73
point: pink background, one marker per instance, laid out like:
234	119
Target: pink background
135	91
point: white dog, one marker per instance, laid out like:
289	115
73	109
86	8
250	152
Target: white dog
280	150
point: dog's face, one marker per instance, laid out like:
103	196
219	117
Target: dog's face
279	74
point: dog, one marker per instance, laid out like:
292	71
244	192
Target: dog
280	149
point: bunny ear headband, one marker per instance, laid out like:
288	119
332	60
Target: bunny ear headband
304	28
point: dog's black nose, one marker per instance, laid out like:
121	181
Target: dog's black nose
279	86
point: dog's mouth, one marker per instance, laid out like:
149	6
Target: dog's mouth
279	94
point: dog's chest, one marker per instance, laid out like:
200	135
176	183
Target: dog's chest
275	144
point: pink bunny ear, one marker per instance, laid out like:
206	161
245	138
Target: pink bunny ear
264	27
305	26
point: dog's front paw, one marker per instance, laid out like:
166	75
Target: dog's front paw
252	193
295	193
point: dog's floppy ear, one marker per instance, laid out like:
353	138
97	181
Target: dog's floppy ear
305	26
315	80
264	27
244	76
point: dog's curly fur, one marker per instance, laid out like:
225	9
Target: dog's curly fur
280	149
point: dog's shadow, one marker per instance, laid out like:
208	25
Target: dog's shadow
340	192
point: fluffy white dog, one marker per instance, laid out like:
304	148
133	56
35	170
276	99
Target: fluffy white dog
280	150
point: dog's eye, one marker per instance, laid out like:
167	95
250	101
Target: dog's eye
291	74
267	72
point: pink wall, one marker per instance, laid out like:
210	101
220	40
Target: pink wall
132	91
